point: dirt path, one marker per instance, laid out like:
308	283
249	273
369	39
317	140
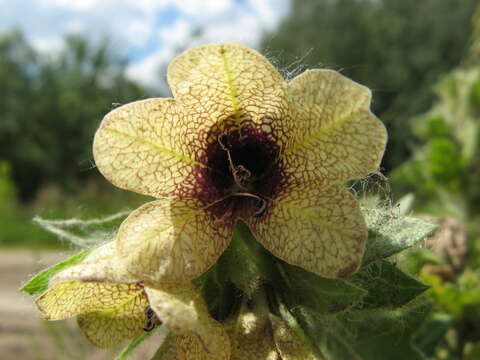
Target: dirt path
20	328
23	335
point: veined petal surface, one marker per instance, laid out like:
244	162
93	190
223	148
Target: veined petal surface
251	337
190	346
108	313
288	344
183	310
70	298
337	138
260	335
320	229
141	147
171	240
220	83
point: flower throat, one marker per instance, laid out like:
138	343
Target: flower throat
243	170
242	178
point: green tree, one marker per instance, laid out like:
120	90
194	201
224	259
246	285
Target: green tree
52	105
17	61
397	48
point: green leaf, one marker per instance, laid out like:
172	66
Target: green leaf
303	288
389	233
221	296
368	335
473	352
246	262
244	266
432	332
135	342
388	335
133	345
39	283
297	328
387	286
83	233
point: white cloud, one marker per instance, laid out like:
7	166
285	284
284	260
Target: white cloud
203	8
151	32
44	20
229	21
175	35
269	10
47	44
72	4
137	32
147	70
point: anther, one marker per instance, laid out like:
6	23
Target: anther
224	143
242	172
152	319
261	203
149	326
262	207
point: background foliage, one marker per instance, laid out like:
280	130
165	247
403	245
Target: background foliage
397	48
421	58
53	106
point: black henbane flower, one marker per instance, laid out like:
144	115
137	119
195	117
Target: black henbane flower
238	142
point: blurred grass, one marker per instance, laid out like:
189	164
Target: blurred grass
94	199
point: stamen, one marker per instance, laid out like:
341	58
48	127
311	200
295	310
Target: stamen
149	326
242	172
262	206
246	195
152	319
224	143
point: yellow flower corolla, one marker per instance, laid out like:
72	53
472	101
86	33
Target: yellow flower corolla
238	142
111	306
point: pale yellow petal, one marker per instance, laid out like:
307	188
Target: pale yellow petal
190	346
337	138
251	332
319	229
251	338
257	334
171	240
101	265
182	309
141	147
109	327
108	313
70	298
229	83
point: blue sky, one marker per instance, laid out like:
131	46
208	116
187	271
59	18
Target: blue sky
149	32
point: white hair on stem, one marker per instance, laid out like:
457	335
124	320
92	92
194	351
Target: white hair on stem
64	229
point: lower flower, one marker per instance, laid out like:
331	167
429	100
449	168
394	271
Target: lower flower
111	307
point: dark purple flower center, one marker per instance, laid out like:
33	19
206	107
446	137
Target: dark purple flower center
242	175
